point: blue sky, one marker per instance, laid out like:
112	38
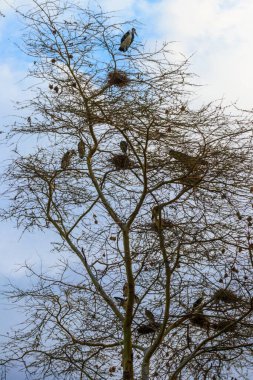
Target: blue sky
218	35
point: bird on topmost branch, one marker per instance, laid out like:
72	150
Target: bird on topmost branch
127	39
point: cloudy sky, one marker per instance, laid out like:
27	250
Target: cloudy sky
217	34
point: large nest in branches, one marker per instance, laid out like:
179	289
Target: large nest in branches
200	320
225	295
163	224
118	78
228	325
146	329
121	161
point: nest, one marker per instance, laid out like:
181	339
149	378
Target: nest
146	329
200	320
121	161
118	78
225	295
165	223
225	325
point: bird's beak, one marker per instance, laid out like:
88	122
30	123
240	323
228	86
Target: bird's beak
135	33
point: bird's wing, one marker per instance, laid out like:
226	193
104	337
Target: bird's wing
125	36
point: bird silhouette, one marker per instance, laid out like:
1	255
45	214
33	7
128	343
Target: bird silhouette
121	301
66	159
127	39
81	149
197	303
123	146
125	290
150	316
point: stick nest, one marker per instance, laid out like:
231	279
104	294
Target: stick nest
118	78
146	329
225	295
121	161
200	320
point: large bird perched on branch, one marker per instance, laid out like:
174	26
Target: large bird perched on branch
157	220
65	162
81	149
189	161
150	316
127	39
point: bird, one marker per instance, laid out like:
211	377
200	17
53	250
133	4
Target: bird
150	315
157	221
127	39
197	303
123	146
125	289
65	162
189	161
121	301
156	215
81	149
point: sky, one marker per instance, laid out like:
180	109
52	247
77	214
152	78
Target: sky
216	34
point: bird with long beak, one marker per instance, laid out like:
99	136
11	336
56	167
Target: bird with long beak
127	39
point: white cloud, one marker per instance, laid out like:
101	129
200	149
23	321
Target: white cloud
219	33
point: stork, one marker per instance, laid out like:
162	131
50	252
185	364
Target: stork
127	39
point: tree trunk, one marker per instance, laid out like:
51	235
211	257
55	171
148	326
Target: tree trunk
145	371
128	370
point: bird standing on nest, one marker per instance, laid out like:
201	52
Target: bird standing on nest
157	220
127	39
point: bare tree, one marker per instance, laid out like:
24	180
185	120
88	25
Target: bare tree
152	195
